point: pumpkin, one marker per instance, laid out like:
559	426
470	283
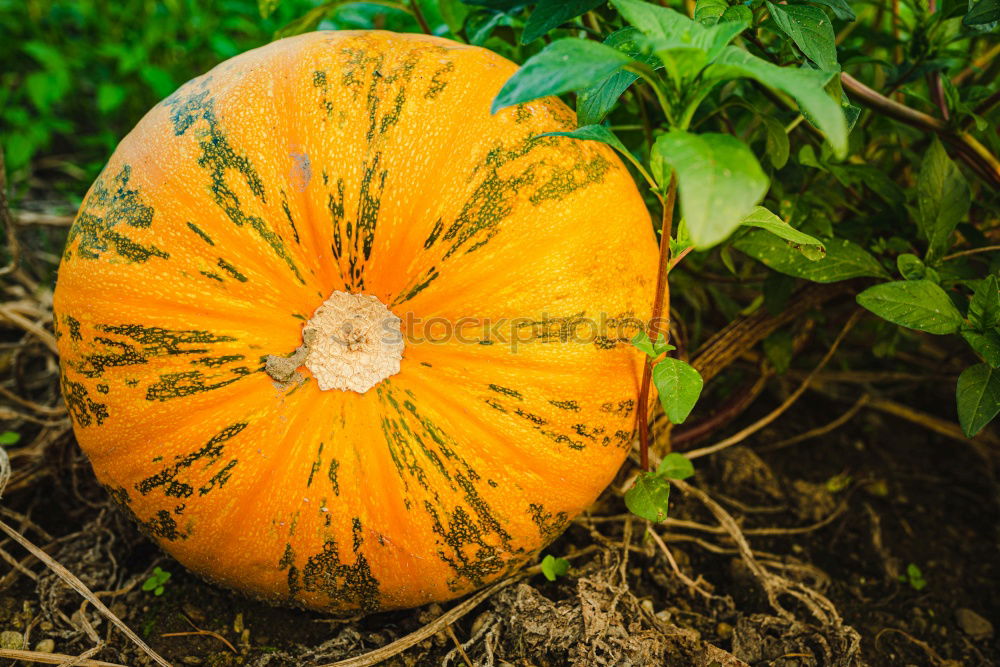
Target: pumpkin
338	337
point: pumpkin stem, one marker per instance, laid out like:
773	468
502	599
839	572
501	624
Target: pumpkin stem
352	342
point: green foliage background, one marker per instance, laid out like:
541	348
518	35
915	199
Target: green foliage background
743	102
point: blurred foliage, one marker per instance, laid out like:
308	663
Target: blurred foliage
908	207
78	74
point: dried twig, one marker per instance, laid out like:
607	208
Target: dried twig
773	585
821	430
74	582
8	313
53	658
787	403
48	219
444	620
972	152
429	630
688	581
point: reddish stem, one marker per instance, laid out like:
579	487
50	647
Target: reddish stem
656	327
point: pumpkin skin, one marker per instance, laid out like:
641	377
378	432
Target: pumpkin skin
364	162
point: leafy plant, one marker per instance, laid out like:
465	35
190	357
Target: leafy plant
553	567
156	582
914	577
649	497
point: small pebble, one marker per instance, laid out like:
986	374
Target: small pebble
11	639
46	646
973	624
191	660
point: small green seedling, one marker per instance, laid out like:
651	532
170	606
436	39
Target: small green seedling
649	498
838	482
553	567
914	577
9	438
642	341
156	581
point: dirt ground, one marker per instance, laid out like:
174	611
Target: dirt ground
854	530
842	515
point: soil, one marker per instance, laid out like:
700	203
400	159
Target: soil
874	543
850	515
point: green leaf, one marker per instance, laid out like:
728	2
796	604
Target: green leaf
109	97
805	86
738	14
649	498
986	344
778	350
718	181
911	267
840	8
656	22
550	14
159	80
943	198
684	46
604	135
679	386
675	466
652	350
267	7
9	438
915	304
984	308
811	30
553	567
595	102
562	66
978	396
777	145
844	259
36	85
453	13
914	577
982	12
708	12
764	219
305	22
641	340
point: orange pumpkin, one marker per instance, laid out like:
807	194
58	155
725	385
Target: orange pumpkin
332	331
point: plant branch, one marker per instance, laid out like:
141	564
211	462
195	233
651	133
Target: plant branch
977	64
661	298
969	149
787	403
419	15
73	582
970	251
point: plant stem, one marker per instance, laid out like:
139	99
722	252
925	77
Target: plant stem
971	251
419	15
934	78
978	63
969	149
661	305
647	74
